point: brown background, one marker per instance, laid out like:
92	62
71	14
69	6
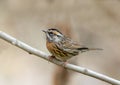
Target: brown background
94	23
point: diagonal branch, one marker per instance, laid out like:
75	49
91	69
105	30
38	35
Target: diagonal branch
43	55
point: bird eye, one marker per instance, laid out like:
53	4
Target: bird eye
50	33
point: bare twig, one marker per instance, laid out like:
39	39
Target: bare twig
43	55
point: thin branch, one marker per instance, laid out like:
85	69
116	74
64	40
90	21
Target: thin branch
43	55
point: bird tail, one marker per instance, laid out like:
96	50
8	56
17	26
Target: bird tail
84	49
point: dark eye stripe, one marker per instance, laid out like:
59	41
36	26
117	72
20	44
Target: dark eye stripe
50	33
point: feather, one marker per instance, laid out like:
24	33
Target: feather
84	49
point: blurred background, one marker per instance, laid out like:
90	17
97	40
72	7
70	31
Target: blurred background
93	23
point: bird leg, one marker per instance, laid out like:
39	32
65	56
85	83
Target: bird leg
51	58
64	64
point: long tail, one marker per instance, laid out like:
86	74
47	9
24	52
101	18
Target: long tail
84	49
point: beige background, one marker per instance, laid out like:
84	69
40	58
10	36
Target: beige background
94	23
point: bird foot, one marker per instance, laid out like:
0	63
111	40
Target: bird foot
51	58
64	64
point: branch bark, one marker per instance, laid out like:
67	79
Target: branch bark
45	56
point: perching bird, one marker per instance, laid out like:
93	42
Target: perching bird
62	47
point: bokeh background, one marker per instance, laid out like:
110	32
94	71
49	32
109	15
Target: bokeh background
93	23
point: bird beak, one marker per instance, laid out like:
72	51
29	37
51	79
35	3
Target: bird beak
44	31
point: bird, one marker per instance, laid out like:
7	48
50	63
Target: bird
62	47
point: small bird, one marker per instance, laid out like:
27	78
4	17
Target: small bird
62	47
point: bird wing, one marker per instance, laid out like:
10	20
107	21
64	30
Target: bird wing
68	45
71	46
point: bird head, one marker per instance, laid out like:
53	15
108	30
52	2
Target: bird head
53	35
